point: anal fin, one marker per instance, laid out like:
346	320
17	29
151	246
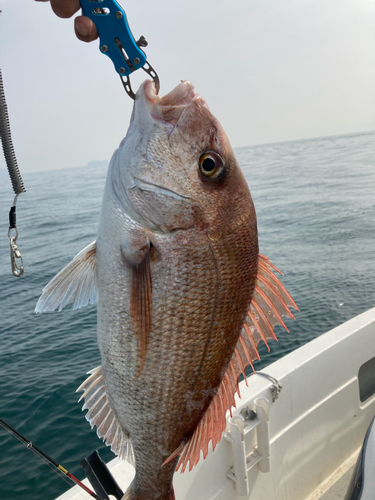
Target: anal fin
101	415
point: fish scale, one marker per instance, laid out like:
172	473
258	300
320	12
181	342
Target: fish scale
166	328
174	270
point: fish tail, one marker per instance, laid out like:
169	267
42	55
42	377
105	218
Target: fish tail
132	494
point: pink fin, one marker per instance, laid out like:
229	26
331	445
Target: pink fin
100	414
175	454
264	270
209	428
269	303
141	306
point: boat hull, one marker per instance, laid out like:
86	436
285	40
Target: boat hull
313	431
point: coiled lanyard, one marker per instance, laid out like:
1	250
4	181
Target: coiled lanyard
17	183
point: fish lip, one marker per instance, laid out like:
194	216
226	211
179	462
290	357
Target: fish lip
166	110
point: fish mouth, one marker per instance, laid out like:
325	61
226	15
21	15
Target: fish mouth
168	109
133	176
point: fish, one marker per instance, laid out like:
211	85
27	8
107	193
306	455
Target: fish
183	295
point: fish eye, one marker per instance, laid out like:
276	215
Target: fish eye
211	164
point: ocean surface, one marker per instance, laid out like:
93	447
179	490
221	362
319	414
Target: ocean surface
315	202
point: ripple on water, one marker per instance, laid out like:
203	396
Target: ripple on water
315	209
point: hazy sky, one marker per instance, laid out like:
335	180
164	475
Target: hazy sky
270	70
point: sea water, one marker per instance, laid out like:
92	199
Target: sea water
315	202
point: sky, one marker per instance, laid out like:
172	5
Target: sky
270	71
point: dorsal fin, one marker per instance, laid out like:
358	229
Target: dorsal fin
269	303
75	283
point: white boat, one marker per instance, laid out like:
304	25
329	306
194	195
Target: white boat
310	412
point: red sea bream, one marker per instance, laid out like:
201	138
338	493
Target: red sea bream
184	297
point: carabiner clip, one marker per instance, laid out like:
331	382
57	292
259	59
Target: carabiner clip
15	255
117	41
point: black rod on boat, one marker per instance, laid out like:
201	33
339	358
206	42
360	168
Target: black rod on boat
30	445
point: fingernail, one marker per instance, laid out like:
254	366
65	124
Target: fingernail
82	29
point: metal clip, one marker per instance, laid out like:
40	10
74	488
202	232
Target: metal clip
276	386
15	255
117	41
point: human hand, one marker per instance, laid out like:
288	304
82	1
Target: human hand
83	26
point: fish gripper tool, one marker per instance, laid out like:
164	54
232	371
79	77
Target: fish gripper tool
117	41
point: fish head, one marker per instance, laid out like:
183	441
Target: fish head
175	169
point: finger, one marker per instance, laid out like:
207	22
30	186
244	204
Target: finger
65	8
85	29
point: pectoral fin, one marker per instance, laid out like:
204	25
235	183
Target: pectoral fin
138	258
75	283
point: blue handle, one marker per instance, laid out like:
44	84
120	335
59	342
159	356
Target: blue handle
116	39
